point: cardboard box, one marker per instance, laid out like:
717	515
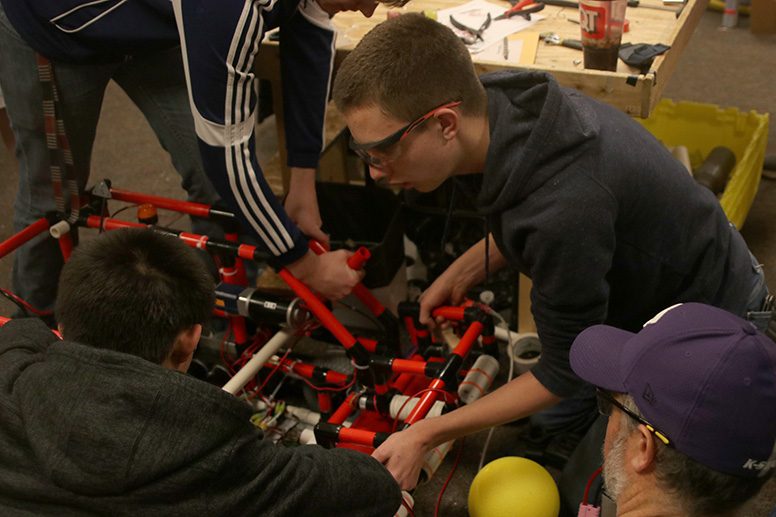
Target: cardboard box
763	16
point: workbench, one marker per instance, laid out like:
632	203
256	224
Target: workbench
627	89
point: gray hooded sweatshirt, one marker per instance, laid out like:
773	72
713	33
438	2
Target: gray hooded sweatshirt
87	431
607	224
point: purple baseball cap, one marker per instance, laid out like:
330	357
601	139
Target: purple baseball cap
702	376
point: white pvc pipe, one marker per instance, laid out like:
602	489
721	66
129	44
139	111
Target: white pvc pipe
59	229
400	402
409	502
478	380
304	415
509	335
253	366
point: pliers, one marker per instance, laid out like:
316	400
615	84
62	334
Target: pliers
523	8
475	35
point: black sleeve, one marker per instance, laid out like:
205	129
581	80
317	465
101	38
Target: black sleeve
309	480
569	254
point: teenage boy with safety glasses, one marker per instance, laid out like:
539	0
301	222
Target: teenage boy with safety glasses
577	196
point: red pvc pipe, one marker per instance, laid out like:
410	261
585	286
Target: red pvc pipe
246	251
320	311
66	245
238	329
93	221
344	411
358	259
449	313
468	339
408	366
426	401
368	299
428	398
17	239
324	402
369	344
194	240
306	370
357	436
186	207
361	292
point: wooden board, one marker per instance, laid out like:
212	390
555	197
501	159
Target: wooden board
627	89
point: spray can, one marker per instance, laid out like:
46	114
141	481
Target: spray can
730	14
715	170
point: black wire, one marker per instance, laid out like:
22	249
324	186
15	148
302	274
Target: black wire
449	216
102	214
114	214
487	253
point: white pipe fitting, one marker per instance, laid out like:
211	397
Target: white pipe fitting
253	366
59	229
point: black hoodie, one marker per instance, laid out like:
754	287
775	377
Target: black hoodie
607	224
87	431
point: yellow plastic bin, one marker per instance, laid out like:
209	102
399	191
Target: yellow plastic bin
702	127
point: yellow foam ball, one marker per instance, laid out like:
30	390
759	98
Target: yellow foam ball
513	487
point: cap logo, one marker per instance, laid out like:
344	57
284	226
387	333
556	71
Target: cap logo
649	395
660	314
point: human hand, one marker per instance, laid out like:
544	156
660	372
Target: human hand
328	274
301	204
448	288
403	453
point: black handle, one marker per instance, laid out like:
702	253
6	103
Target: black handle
572	43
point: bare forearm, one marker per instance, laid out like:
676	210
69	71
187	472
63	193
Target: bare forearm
471	265
302	178
517	399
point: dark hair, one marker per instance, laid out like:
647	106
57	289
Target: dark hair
407	66
701	490
133	291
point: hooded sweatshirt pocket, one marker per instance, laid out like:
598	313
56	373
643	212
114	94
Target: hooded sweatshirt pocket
83	14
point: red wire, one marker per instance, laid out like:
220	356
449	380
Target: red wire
266	380
449	477
25	304
590	483
221	348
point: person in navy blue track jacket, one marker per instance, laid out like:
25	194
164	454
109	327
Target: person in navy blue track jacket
189	66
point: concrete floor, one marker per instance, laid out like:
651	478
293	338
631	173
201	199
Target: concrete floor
730	68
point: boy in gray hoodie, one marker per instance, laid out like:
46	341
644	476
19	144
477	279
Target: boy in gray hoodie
577	196
104	422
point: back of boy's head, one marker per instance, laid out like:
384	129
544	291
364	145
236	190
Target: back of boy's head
407	66
133	291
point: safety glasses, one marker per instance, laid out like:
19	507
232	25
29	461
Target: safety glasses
363	150
606	401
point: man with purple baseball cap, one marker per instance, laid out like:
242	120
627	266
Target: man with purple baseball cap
696	394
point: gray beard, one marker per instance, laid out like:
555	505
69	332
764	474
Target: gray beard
615	478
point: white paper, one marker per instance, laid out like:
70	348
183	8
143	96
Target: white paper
474	13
